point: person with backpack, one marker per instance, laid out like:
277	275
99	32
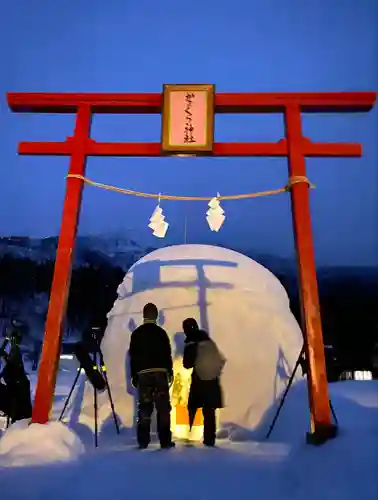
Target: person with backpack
202	354
151	369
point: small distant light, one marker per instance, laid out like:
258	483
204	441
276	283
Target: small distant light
363	375
66	356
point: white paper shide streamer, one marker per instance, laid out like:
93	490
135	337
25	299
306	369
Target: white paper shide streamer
157	222
215	215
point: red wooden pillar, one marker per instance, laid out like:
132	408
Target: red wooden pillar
62	272
321	425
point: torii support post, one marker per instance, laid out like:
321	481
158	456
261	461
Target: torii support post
320	410
295	147
62	272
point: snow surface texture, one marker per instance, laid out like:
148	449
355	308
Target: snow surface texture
25	445
242	305
283	468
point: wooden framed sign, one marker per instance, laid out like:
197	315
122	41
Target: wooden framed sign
188	118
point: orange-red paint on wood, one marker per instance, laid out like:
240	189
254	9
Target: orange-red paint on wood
300	203
37	102
279	148
62	273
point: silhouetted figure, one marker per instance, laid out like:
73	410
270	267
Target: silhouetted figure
151	373
202	354
15	393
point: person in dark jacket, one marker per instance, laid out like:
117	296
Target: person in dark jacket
205	394
16	389
151	369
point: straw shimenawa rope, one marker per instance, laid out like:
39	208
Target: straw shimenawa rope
292	181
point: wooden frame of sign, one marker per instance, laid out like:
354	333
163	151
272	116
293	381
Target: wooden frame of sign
188	118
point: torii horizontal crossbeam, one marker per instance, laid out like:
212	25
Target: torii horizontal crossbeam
279	148
224	102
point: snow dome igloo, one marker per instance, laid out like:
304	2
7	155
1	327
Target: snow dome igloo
240	303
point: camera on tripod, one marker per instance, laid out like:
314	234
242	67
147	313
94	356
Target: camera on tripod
302	362
88	353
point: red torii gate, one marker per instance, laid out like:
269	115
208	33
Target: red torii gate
294	146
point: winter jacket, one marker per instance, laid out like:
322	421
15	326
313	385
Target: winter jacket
150	350
203	393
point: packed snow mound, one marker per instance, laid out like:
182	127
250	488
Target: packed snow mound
23	444
244	307
344	468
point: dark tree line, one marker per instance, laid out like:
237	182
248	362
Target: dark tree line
348	304
93	290
349	316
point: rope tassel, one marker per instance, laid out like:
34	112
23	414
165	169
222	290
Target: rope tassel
158	223
215	215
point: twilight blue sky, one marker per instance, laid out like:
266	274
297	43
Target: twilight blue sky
241	46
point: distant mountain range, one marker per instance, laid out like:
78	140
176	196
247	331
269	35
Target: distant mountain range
115	251
122	251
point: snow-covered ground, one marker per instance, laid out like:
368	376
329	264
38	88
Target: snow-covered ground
282	468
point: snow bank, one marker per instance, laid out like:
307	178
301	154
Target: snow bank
344	468
23	444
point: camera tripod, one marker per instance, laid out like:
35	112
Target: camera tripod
302	362
98	365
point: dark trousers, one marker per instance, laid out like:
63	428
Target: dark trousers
153	390
209	424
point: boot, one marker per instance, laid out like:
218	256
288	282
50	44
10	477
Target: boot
168	446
